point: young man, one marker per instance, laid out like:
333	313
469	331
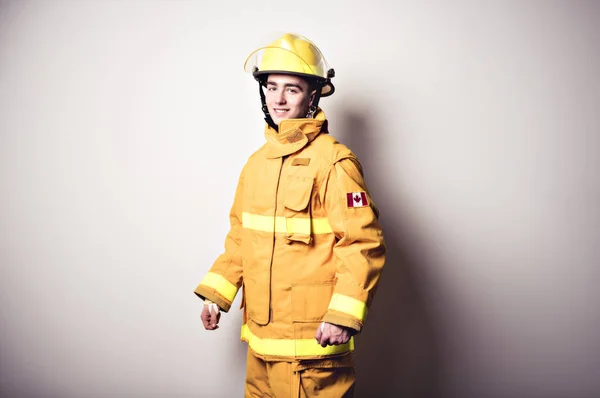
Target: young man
304	243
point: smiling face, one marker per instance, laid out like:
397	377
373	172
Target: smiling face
287	97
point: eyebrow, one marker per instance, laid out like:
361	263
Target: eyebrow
286	85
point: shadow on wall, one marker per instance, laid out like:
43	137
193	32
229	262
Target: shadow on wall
398	353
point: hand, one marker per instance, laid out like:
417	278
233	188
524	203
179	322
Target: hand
330	334
210	316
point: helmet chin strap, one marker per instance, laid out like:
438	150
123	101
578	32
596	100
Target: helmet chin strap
313	108
264	108
315	104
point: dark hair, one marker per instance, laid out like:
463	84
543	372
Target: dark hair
313	84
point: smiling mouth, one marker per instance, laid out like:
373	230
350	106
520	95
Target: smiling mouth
280	111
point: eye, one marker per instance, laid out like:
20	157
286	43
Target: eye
271	88
292	90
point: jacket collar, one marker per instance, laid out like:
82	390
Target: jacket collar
294	134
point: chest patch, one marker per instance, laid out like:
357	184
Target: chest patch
301	162
357	199
295	136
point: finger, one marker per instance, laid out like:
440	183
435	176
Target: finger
325	339
345	337
325	334
210	320
321	338
318	335
205	316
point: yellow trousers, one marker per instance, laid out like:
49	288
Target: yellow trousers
332	377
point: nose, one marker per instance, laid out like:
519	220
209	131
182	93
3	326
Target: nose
280	98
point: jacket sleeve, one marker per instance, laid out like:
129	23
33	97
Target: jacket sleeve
222	282
359	250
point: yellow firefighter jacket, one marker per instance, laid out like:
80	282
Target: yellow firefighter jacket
304	242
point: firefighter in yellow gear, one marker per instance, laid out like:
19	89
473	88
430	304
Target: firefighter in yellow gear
305	244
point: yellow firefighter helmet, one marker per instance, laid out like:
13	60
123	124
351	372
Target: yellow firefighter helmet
291	54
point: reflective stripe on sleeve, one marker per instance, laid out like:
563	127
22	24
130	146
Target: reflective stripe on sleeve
292	348
348	305
220	284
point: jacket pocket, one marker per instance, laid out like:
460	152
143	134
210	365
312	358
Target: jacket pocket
243	306
311	300
243	301
298	192
298	213
256	301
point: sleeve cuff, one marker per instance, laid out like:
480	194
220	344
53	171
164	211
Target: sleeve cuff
206	293
217	289
343	321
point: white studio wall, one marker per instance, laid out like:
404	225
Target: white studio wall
124	126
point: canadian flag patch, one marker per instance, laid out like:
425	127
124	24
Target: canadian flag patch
357	199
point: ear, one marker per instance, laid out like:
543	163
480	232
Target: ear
312	97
